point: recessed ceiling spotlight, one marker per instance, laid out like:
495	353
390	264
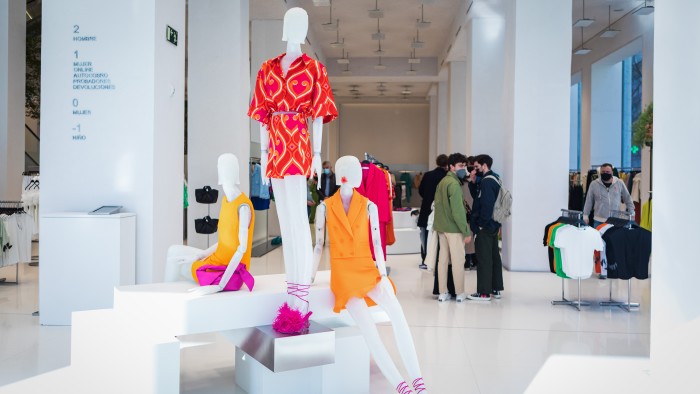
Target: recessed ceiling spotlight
376	12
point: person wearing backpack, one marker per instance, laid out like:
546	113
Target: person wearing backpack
485	186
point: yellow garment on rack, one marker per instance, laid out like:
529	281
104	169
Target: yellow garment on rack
646	216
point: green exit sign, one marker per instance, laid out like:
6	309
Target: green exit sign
171	35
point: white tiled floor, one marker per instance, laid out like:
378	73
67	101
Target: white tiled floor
472	347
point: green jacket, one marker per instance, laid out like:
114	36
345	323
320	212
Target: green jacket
450	214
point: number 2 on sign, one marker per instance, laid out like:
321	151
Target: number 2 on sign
76	29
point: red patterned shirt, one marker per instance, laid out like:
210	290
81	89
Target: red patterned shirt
306	92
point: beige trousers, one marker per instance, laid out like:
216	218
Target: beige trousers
451	250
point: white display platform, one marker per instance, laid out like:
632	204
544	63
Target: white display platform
404	219
138	337
82	261
407	241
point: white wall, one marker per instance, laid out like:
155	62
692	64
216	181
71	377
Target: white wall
574	127
606	114
218	98
12	75
393	133
129	149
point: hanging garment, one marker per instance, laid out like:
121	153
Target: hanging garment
10	249
306	93
406	177
646	216
353	272
374	187
228	235
601	261
257	189
577	245
627	252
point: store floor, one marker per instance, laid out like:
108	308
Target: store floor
472	347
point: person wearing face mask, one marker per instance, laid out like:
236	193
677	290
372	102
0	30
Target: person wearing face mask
470	260
605	194
450	225
328	186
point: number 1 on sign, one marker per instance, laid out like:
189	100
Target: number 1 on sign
76	54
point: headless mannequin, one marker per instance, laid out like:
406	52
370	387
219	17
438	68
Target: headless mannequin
349	176
290	191
181	257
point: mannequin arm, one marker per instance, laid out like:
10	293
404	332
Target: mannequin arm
316	167
244	216
320	226
376	240
264	143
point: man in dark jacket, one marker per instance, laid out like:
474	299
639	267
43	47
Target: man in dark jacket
484	187
426	189
328	186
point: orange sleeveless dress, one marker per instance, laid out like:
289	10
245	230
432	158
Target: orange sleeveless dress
353	272
228	235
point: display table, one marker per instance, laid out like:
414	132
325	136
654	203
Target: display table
83	257
138	338
406	233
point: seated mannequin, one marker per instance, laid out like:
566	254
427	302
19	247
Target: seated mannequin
236	221
355	280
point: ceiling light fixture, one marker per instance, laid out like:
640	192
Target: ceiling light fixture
376	12
417	43
413	59
411	71
406	89
422	24
330	26
610	32
347	69
582	50
379	66
378	35
338	43
646	10
344	60
584	22
379	50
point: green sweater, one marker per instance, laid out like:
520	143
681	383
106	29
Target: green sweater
450	214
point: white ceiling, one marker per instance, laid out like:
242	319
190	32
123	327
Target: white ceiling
399	25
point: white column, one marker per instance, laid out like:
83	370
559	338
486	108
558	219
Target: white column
112	117
485	66
674	256
585	119
606	113
432	130
537	87
457	104
218	98
12	70
442	121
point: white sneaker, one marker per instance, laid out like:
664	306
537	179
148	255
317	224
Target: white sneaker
461	297
444	297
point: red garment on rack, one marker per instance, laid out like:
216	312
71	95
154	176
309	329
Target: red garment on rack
374	187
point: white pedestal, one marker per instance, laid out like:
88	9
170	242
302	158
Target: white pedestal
404	219
407	241
83	257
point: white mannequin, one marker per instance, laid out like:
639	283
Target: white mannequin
349	176
290	191
180	257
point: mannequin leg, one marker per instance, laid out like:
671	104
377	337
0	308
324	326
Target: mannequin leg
296	188
178	265
360	313
278	187
402	334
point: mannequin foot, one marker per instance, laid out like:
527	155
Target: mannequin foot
291	320
419	386
403	388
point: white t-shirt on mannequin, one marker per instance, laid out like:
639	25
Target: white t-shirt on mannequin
577	246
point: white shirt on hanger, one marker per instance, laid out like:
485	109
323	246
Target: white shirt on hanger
577	246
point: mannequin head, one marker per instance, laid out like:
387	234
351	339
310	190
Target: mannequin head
348	172
228	169
296	25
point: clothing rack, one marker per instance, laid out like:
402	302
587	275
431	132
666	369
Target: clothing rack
11	207
627	306
578	216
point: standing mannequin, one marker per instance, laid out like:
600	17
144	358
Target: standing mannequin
355	280
183	260
290	89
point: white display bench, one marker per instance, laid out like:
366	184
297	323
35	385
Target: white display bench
82	258
406	233
134	347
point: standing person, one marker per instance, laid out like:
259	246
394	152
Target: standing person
470	260
484	187
450	224
605	194
426	189
328	186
